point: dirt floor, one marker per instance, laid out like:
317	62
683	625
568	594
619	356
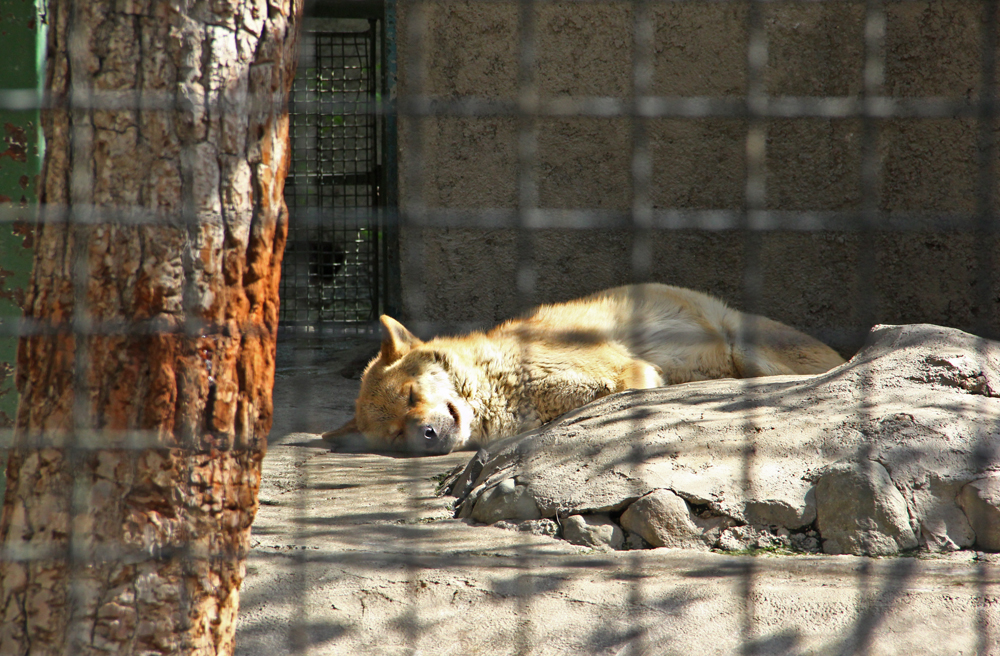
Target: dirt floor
353	553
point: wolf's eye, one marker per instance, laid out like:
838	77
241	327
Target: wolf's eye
413	397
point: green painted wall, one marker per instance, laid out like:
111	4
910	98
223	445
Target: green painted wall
21	33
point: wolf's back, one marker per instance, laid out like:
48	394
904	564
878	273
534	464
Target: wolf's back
688	334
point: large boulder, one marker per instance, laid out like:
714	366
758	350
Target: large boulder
895	450
860	511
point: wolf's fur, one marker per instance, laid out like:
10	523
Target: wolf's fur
450	392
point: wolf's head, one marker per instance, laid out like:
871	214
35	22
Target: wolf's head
408	400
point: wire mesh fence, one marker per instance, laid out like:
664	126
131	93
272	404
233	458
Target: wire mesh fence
331	268
828	164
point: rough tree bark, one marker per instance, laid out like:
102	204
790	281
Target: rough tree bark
146	388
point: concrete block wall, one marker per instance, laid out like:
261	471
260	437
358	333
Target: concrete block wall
832	284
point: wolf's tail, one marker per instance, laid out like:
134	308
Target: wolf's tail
763	347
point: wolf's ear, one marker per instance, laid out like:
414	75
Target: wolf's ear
349	428
397	341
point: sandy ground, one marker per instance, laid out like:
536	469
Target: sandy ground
355	554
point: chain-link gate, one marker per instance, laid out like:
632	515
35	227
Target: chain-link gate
332	273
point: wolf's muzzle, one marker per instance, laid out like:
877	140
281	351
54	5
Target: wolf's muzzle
427	437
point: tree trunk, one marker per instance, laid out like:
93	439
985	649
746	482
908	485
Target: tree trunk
146	381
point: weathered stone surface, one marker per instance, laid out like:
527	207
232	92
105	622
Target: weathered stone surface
663	519
593	531
460	481
980	499
807	542
943	526
795	509
635	541
859	511
746	537
505	501
918	405
533	526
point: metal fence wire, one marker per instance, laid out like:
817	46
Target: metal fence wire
523	181
331	270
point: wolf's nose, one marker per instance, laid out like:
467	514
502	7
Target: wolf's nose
429	433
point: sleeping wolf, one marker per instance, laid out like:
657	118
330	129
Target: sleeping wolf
452	392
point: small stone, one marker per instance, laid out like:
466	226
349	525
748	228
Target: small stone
635	541
732	540
809	544
663	519
768	540
533	526
741	538
712	526
596	531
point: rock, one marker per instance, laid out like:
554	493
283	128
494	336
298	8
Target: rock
746	537
593	531
505	501
961	370
663	519
635	541
712	526
980	499
944	526
859	511
460	484
533	526
804	542
919	403
792	514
